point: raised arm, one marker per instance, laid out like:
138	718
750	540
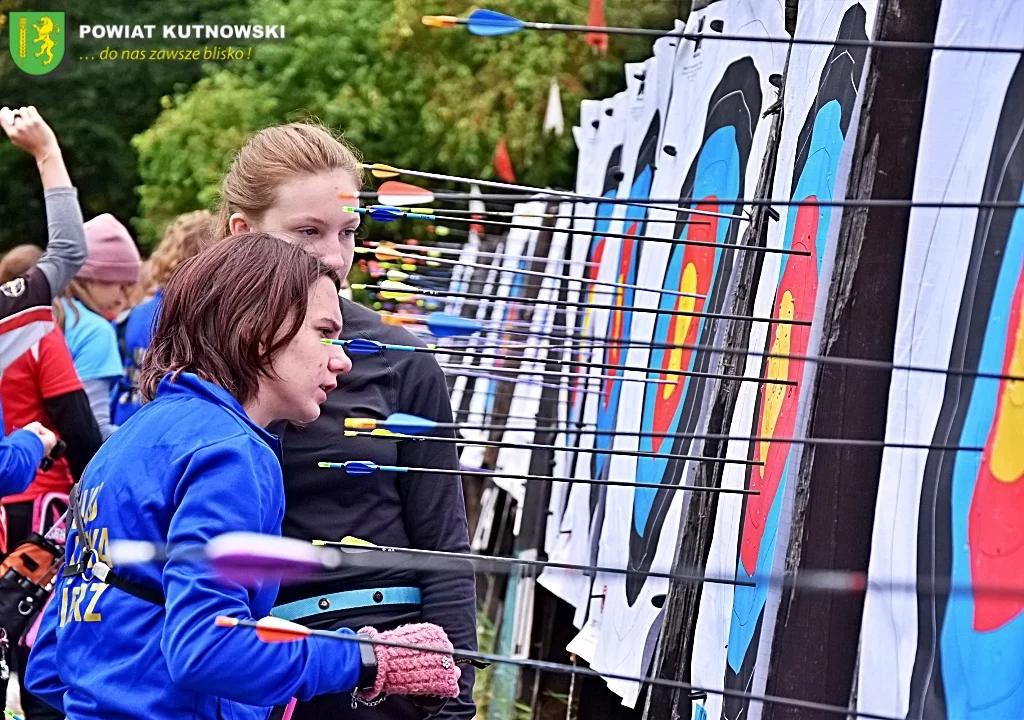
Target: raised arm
65	250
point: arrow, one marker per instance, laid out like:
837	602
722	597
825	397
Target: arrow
392	254
380	170
387	435
358	468
431	252
390	290
488	23
362	346
461	371
396	214
272	551
581	377
395	289
415	425
277	631
501	213
241	557
862	363
430	196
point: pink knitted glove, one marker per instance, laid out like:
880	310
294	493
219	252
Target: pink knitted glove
414	672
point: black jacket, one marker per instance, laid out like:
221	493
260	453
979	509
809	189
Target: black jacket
403	510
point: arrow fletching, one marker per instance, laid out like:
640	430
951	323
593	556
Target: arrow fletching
409	424
359	468
362	346
391	290
394	192
247	557
269	629
384	213
397	275
388	254
380	170
489	23
443	325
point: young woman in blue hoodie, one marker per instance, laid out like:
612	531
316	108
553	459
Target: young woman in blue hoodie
238	346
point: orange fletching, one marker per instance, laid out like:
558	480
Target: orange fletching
276	630
385	254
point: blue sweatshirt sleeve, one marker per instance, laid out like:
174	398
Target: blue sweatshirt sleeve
20	455
236	485
42	677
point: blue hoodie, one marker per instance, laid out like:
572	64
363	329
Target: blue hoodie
20	455
186	468
138	334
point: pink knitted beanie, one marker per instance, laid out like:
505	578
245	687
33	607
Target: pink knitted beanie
113	256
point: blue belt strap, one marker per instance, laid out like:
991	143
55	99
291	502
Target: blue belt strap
348	600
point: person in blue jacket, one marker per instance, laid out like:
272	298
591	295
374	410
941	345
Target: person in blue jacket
185	237
238	346
20	455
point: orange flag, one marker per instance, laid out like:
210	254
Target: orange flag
595	17
503	163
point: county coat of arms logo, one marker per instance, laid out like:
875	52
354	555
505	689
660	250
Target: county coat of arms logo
37	41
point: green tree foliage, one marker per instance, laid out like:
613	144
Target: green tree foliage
404	94
94	107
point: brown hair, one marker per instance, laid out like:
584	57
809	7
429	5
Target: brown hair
185	237
274	156
18	261
228	311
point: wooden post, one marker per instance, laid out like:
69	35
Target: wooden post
675	644
817	636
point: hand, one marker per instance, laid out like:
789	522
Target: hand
414	672
48	438
27	129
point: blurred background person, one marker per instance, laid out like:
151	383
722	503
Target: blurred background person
185	237
42	388
98	293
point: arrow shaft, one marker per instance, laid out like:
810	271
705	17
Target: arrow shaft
452	251
845	442
591	306
544	216
547	666
526	188
556	276
535	446
584	364
650	32
875	203
582	481
627	236
862	363
459	370
815	580
583	377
